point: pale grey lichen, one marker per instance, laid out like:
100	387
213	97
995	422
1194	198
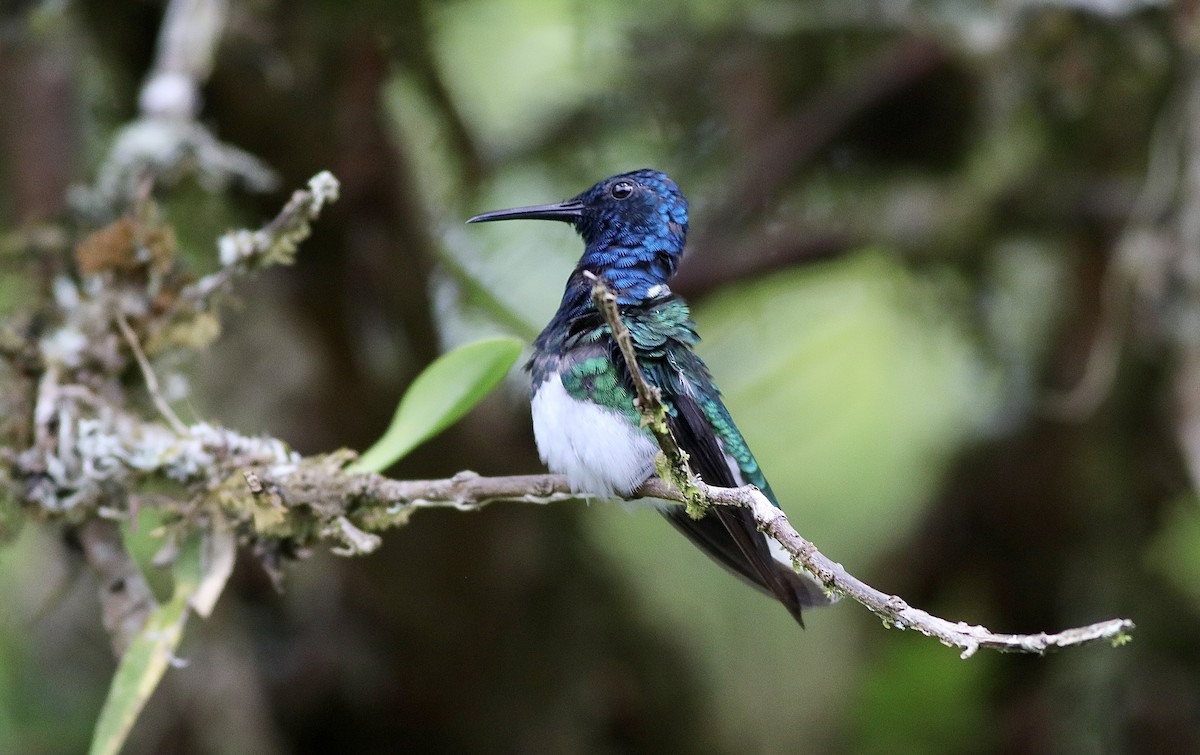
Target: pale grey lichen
64	347
275	243
169	94
166	150
92	445
111	446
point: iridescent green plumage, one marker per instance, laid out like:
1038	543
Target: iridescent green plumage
735	445
597	380
664	335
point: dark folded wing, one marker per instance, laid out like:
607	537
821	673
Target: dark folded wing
730	535
663	334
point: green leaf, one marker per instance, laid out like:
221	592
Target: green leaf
147	658
440	395
218	553
143	536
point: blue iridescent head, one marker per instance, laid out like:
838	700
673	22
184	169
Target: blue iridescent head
633	225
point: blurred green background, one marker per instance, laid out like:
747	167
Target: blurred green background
945	260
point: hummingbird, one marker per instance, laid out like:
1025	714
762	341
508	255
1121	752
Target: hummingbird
585	422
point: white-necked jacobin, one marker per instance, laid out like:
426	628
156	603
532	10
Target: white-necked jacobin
584	419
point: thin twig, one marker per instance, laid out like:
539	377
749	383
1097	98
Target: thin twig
648	396
148	375
383	503
244	250
894	611
774	522
649	401
311	500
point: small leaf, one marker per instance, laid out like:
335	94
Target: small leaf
143	536
219	553
148	656
440	395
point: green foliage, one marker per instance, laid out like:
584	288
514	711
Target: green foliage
201	568
47	705
147	658
440	396
143	538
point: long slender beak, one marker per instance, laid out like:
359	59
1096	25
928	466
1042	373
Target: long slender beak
569	211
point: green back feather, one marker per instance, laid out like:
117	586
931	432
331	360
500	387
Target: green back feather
663	336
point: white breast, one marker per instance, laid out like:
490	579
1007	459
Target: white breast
598	450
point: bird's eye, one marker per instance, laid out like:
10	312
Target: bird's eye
621	190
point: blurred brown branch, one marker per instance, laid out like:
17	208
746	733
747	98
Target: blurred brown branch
167	142
795	139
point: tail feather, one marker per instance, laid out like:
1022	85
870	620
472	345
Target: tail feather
731	538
